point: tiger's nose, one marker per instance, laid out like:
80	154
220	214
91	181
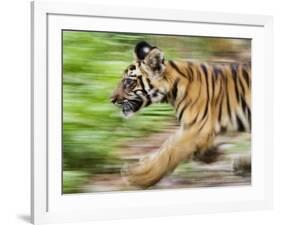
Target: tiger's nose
116	99
113	99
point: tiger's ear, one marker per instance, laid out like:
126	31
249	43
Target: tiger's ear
142	49
155	60
152	57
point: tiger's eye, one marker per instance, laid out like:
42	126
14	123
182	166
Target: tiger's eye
132	67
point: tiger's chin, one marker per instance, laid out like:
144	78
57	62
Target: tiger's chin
129	108
127	114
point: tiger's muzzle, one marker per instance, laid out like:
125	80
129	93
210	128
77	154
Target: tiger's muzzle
128	106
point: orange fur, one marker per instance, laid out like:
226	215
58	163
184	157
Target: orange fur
208	98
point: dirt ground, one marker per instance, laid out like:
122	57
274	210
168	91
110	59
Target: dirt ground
232	148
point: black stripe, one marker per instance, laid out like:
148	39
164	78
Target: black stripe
220	108
183	98
190	72
202	126
148	97
204	69
146	94
241	85
205	111
249	117
227	101
220	112
213	86
175	89
199	75
182	111
207	86
246	109
244	104
192	122
148	101
240	124
149	84
172	95
142	85
246	77
234	77
220	93
217	71
193	103
177	68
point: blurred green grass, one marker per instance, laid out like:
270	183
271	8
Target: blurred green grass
93	129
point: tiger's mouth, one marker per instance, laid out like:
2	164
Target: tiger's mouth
129	107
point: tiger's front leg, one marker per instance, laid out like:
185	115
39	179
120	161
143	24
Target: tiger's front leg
174	150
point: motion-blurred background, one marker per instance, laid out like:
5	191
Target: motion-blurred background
97	140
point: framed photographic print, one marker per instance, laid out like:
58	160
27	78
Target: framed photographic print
163	113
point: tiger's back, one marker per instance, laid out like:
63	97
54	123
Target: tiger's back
220	91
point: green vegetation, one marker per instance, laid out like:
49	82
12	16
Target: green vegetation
93	129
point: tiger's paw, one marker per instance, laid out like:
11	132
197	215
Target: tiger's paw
242	166
209	156
142	174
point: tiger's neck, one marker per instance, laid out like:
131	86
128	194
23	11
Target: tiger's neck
175	80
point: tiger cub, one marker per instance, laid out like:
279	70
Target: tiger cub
208	98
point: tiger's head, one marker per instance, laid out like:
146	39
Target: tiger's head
137	88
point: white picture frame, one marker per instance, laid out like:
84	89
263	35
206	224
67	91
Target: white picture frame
48	205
